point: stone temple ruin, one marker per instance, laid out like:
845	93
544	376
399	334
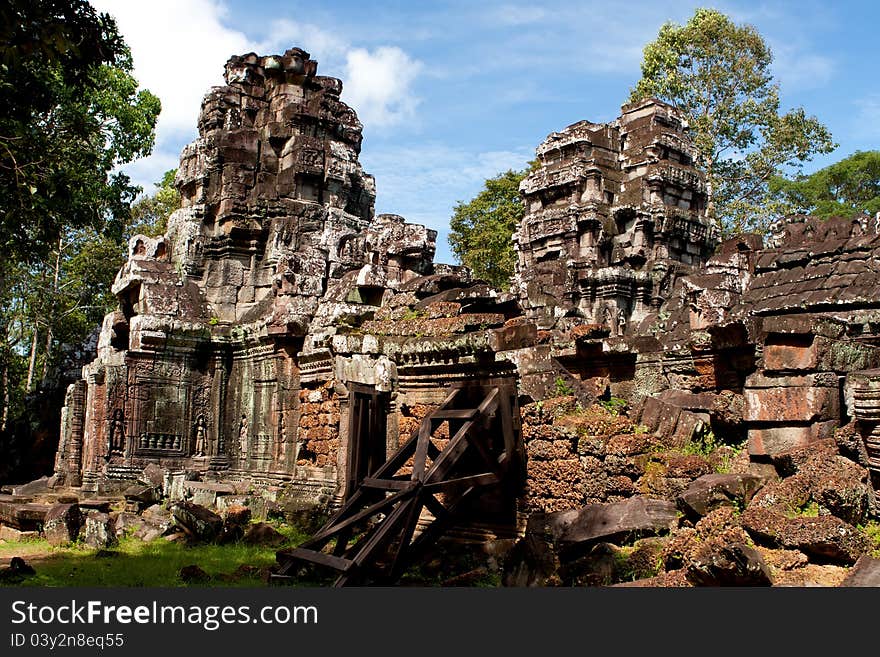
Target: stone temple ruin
280	342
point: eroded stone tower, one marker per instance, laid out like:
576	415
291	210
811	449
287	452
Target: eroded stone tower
196	367
614	214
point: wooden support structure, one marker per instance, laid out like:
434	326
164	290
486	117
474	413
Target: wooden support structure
372	538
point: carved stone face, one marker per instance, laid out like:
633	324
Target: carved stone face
296	64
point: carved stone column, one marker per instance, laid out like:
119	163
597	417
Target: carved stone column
342	394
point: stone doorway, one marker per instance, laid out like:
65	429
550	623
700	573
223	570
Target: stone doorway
367	434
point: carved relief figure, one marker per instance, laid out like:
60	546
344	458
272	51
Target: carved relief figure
243	437
607	317
117	433
200	435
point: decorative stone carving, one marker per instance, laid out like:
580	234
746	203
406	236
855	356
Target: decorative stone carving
610	211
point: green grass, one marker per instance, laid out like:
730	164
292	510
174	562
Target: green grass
135	563
872	529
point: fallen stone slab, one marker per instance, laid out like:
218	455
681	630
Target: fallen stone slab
736	564
235	522
206	493
197	521
142	495
262	533
97	504
150	531
633	518
62	524
866	572
153	475
826	539
25	516
714	490
35	487
99	530
16	535
531	562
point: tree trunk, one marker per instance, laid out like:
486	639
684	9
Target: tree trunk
4	381
48	353
710	197
32	361
50	320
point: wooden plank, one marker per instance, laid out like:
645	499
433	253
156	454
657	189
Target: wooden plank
456	446
342	540
330	529
398	563
485	479
387	484
337	563
449	455
453	393
454	414
421	455
433	531
434	506
383	534
390	467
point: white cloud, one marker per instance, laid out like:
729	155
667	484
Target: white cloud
378	85
179	48
517	15
324	46
796	68
424	183
867	121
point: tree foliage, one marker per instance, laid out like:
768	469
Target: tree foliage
844	189
70	113
718	73
481	229
149	215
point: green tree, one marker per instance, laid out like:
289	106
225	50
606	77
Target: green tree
149	215
481	229
70	114
846	188
718	74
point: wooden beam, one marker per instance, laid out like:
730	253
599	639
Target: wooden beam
433	530
387	484
476	439
337	563
401	554
449	455
456	446
383	534
331	529
485	479
454	414
507	425
434	506
421	455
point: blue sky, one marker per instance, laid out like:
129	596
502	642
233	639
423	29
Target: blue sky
451	93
